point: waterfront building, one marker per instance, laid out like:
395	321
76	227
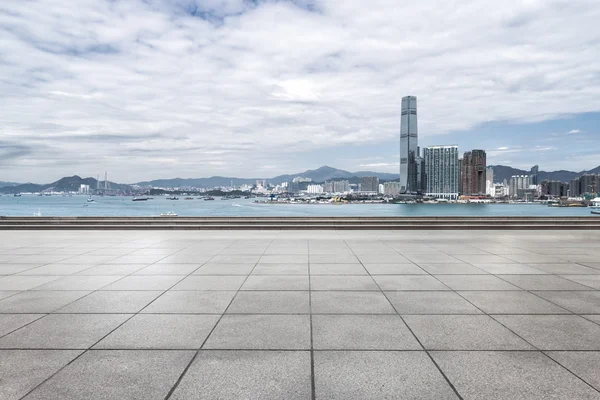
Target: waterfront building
473	173
261	183
518	183
587	184
369	184
336	186
314	189
441	171
381	189
533	175
84	189
391	189
301	179
489	181
555	188
408	145
293	187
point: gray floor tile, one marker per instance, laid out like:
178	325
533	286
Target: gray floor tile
409	282
268	375
350	303
543	282
115	302
554	332
503	375
388	258
57	269
211	282
236	259
270	302
592	281
362	332
584	364
451	269
139	282
567	269
483	259
280	269
284	258
168	269
23	370
579	302
394	269
10	269
359	375
79	282
475	282
511	302
112	269
191	302
190	258
595	318
276	282
337	269
20	282
515	269
11	322
533	258
117	374
63	331
8	293
153	331
333	259
39	301
284	332
342	282
428	302
463	332
431	258
224	269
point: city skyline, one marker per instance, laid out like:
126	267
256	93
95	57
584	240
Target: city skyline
189	88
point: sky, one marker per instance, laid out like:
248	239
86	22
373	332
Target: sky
147	89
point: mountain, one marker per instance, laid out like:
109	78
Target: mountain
502	172
66	184
321	174
3	184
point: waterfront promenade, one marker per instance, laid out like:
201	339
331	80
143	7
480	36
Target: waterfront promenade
300	314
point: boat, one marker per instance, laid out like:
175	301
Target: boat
139	199
595	203
17	195
169	214
189	198
38	213
595	212
208	198
90	200
172	198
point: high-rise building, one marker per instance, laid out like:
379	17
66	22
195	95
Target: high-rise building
555	188
391	189
408	146
473	173
518	183
489	181
441	171
314	189
534	175
369	184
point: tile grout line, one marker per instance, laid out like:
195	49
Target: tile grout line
313	388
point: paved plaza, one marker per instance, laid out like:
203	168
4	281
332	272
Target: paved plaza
300	314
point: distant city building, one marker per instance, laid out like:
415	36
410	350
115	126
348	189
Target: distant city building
293	187
391	189
518	183
369	184
261	183
408	145
534	175
314	189
555	188
381	189
587	184
301	179
499	190
84	189
489	181
473	173
441	171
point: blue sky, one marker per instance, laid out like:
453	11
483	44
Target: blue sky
190	88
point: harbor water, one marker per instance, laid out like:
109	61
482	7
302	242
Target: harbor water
30	205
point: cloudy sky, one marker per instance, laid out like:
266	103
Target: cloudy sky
150	89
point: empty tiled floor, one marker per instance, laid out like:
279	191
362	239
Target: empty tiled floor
300	315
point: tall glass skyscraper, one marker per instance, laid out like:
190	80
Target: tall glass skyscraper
408	146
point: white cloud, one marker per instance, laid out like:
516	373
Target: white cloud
502	148
574	131
380	165
223	85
